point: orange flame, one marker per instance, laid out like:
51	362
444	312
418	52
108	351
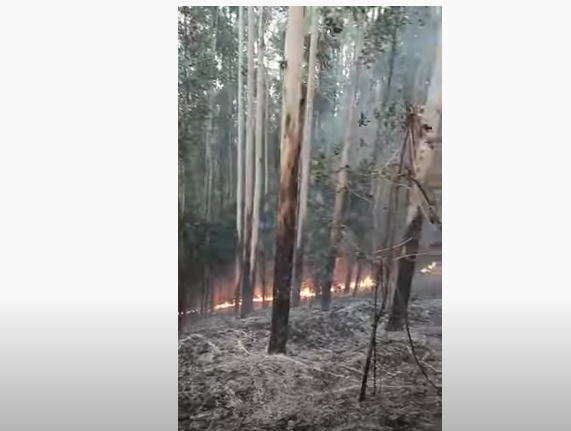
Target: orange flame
431	268
307	291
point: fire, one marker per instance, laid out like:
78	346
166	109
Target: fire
226	304
431	268
306	292
366	283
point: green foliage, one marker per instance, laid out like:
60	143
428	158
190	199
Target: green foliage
207	76
397	64
381	33
204	242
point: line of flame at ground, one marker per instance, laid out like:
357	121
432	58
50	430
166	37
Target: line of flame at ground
307	290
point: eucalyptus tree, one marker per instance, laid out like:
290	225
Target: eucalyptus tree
291	146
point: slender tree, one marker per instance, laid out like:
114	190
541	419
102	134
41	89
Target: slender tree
305	162
240	164
291	146
259	178
210	162
427	127
266	130
247	288
265	210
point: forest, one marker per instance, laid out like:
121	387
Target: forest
310	218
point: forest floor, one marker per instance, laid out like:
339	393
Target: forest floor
228	382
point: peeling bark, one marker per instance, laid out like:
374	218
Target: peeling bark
305	165
287	206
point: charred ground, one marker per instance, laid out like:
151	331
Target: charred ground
228	382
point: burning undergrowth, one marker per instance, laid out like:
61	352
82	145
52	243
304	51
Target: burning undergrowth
228	382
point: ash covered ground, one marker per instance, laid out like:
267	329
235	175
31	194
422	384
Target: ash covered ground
228	382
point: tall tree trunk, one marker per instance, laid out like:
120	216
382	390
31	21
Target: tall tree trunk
247	288
342	179
305	163
405	274
239	165
266	143
265	211
259	179
423	155
287	206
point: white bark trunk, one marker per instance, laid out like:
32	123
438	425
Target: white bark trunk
250	117
306	145
240	141
249	192
266	129
287	205
305	162
259	147
210	131
240	153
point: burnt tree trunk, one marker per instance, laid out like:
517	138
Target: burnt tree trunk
358	276
405	274
287	206
287	209
238	277
305	164
297	273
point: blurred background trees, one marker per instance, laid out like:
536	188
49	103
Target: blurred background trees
372	66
